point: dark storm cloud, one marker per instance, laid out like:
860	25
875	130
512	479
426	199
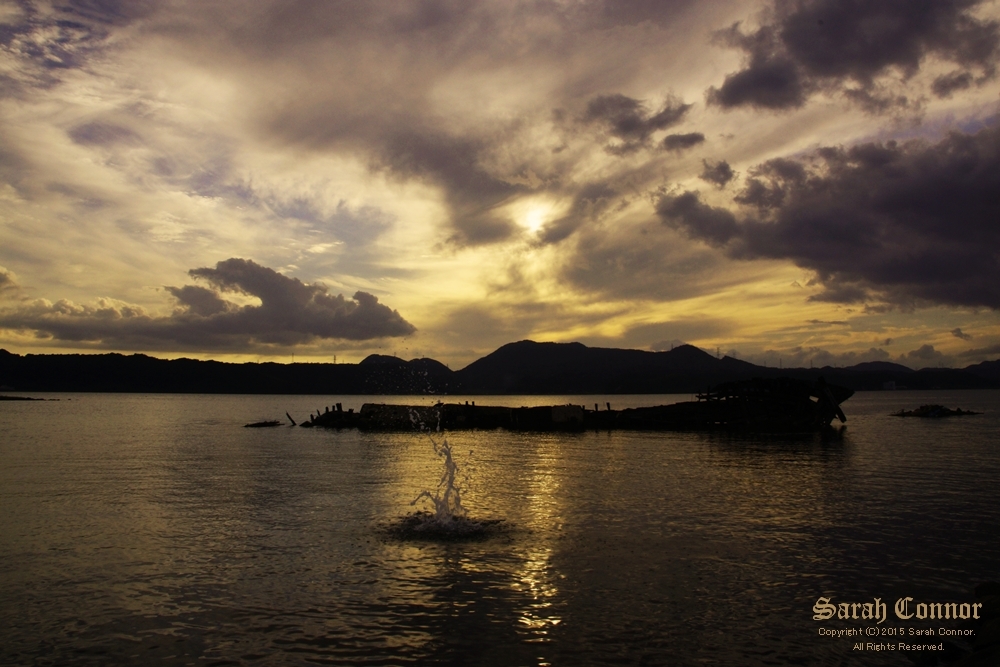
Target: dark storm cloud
631	121
768	82
904	223
719	173
767	186
958	333
812	45
290	312
715	225
946	84
680	142
200	300
291	309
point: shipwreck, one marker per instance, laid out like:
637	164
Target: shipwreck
774	404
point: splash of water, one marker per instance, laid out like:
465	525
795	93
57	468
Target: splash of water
447	498
449	521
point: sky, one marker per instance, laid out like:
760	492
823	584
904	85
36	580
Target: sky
792	181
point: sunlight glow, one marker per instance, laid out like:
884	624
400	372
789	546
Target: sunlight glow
533	213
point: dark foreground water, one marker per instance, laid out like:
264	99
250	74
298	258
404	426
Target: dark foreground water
153	529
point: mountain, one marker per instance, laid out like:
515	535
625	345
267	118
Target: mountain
884	366
525	367
390	375
989	370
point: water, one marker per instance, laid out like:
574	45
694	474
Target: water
154	529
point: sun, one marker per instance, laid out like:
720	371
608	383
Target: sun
535	217
533	213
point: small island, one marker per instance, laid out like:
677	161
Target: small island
934	412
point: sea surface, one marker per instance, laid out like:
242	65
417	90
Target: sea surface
155	529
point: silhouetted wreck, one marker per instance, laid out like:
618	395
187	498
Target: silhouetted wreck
269	423
779	404
335	418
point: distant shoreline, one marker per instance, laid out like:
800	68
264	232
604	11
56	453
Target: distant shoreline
522	368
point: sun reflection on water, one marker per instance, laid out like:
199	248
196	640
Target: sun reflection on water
535	580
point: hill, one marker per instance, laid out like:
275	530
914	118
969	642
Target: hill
524	367
528	367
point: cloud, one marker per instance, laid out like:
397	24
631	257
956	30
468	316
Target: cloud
429	92
946	84
290	312
661	336
632	12
718	173
8	282
816	357
717	226
988	351
634	262
432	91
820	357
471	191
680	142
401	92
806	46
200	301
902	223
421	145
45	40
925	355
355	228
99	133
631	121
590	201
958	333
802	357
506	317
766	188
487	327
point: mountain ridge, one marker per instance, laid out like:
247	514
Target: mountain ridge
522	367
